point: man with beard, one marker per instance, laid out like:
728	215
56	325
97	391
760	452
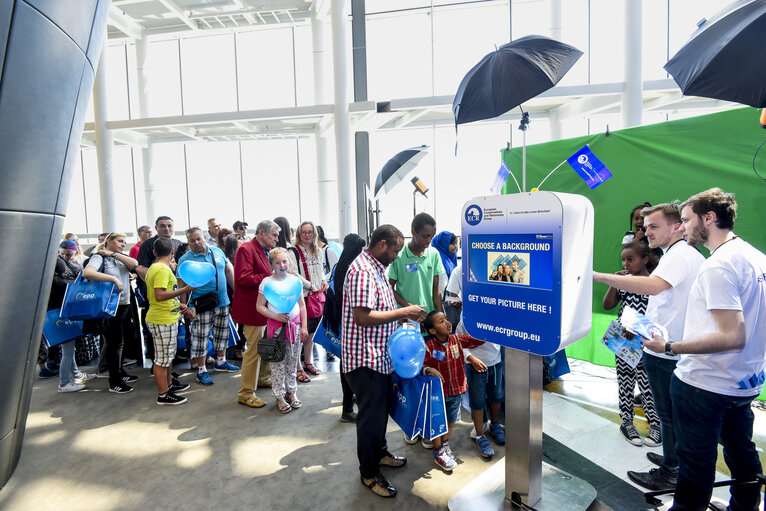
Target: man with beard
668	289
722	366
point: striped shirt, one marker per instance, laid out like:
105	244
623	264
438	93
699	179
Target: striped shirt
366	286
448	359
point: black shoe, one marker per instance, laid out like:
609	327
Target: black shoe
348	417
655	458
170	399
638	401
121	388
174	374
718	506
379	486
177	386
329	357
389	460
653	480
129	378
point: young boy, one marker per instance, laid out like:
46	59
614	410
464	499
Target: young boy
445	360
162	320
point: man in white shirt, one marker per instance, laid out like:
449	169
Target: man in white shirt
211	236
722	366
668	288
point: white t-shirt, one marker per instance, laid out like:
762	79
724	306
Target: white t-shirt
733	278
678	267
114	268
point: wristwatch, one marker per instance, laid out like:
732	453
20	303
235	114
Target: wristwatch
669	349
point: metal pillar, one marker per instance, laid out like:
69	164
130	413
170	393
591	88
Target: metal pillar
104	146
632	101
346	178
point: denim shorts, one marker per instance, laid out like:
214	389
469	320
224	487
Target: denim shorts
484	385
453	408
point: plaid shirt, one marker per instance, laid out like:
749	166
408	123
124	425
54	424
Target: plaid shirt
453	365
366	286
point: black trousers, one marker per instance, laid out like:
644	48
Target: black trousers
348	395
114	341
373	391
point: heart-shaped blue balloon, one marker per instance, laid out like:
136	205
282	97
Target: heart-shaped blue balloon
283	294
407	350
195	273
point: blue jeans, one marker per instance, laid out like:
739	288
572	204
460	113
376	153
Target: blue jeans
68	367
486	384
659	370
702	420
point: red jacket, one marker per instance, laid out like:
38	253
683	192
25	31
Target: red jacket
251	266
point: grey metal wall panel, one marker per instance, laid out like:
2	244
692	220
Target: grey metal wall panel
37	105
70	21
6	8
97	34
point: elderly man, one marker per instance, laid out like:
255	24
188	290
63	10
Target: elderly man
211	306
211	236
668	288
722	366
144	233
251	266
369	318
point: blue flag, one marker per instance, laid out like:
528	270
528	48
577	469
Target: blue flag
502	174
588	167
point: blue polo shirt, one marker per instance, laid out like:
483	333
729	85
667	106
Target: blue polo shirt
220	266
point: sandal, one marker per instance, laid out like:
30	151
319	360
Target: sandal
283	406
302	377
294	401
313	370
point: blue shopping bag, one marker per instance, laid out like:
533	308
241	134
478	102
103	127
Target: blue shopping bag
408	404
57	330
328	340
233	339
85	299
181	344
436	415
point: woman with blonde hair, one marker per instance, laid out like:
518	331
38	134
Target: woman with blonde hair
109	264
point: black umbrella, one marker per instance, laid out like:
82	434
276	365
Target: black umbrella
397	168
726	57
509	76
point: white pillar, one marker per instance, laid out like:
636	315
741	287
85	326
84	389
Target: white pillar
147	160
632	100
346	178
554	122
327	186
104	144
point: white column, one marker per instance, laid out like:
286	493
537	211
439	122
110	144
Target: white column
104	144
556	20
632	100
343	143
147	160
327	187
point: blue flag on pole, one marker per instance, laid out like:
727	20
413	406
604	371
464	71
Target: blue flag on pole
588	167
502	174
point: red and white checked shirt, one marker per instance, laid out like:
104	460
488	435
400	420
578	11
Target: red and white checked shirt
453	365
366	286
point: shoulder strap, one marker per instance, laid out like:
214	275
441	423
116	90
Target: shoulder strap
214	266
327	257
299	257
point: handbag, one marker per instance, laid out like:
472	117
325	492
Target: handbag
85	299
273	349
208	301
328	340
314	301
57	330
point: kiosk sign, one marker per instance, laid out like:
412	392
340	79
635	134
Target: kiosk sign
512	279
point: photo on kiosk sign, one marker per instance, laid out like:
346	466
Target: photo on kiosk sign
518	290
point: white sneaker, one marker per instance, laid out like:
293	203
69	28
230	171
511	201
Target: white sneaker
83	377
103	375
410	441
472	434
71	387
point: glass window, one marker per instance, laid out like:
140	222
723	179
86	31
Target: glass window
92	191
164	88
169	184
214	182
207	67
75	220
607	41
270	176
684	16
265	69
304	66
574	23
655	42
117	83
125	209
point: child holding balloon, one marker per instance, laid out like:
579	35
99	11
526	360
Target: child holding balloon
445	360
283	374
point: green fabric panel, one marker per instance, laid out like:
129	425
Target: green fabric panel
590	348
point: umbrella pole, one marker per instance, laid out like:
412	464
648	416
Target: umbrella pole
523	127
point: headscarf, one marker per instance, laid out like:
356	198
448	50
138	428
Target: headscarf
333	307
69	245
441	242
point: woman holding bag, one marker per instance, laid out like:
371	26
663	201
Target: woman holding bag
311	272
109	264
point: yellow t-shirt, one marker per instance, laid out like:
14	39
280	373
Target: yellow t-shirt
161	313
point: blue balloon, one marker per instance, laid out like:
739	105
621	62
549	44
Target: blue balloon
196	274
407	350
283	294
336	247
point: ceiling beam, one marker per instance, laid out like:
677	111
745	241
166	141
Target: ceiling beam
124	23
173	7
585	106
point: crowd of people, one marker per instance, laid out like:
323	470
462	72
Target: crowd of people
713	358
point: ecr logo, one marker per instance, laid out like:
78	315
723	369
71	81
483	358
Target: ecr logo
84	296
473	214
583	160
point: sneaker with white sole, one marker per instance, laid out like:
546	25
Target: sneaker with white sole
177	386
204	378
71	387
485	450
121	388
448	450
129	378
410	441
83	377
102	375
444	461
170	399
427	444
653	437
498	433
226	367
630	433
472	434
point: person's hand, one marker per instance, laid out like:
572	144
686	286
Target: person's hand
622	272
283	317
435	373
478	365
189	314
304	334
188	289
414	312
656	344
132	276
118	283
639	235
325	286
456	303
105	253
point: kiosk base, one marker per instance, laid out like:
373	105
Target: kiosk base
561	492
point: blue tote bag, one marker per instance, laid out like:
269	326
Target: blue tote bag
436	415
408	404
57	330
85	299
328	340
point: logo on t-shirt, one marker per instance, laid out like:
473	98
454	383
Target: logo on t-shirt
411	267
